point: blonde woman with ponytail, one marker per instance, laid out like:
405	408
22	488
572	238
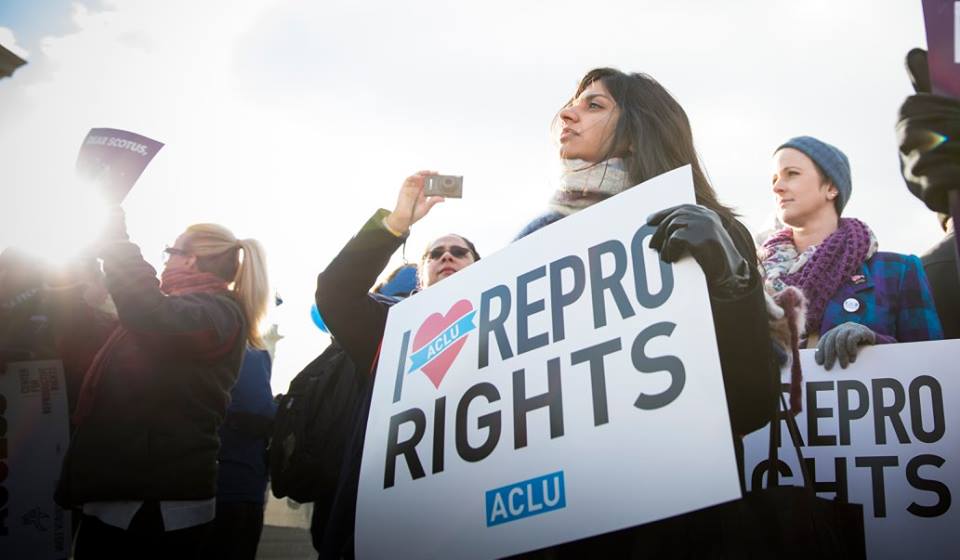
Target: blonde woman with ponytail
216	251
142	462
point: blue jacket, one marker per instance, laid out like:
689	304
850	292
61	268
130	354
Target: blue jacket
890	295
242	475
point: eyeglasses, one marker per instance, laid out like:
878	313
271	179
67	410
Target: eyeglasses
170	251
455	250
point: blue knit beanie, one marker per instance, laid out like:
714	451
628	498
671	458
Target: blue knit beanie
402	284
833	162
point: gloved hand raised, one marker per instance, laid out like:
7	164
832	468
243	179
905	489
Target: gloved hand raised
918	70
841	343
699	231
114	229
927	133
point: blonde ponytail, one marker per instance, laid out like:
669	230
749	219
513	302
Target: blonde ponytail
242	262
253	288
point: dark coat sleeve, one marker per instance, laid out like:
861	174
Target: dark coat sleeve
79	331
202	325
750	374
356	318
940	264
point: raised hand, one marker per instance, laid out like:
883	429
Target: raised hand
412	204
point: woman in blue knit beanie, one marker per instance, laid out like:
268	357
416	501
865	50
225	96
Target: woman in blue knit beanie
853	294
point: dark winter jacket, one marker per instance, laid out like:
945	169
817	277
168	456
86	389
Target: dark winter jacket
24	330
940	264
151	433
54	324
242	475
357	319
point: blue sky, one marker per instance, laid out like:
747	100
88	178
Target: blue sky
31	21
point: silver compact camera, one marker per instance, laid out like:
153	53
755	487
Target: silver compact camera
448	186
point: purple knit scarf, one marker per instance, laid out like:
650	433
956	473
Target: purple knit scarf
836	259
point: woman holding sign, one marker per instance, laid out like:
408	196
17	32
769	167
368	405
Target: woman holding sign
854	294
357	319
142	462
617	131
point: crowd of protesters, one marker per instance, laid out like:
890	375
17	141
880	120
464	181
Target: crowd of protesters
168	378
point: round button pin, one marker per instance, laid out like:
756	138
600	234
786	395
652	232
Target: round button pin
851	305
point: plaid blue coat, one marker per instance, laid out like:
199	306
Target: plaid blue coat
890	295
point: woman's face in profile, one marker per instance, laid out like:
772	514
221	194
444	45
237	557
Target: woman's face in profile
177	257
588	124
798	188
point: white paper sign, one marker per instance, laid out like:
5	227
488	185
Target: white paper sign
564	387
34	433
884	432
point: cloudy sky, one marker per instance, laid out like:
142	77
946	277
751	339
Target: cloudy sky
292	121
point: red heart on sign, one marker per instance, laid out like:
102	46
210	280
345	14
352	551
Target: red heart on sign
431	327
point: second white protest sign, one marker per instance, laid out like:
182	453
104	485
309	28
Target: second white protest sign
879	433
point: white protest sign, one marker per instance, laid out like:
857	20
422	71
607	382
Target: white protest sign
564	387
34	434
882	432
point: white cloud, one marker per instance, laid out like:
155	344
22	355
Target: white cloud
9	41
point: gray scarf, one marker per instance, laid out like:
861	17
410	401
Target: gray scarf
583	184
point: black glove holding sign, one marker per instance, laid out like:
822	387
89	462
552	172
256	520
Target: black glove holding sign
699	231
928	132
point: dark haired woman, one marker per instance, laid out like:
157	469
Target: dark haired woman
142	461
357	319
854	294
621	129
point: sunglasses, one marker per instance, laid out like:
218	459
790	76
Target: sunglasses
455	250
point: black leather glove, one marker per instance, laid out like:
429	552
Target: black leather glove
918	70
928	133
699	231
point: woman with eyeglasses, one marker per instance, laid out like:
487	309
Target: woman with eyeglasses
142	461
445	256
357	318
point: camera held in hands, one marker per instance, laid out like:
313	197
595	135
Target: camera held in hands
448	186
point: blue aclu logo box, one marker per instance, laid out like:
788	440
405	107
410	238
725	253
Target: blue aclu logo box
525	498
